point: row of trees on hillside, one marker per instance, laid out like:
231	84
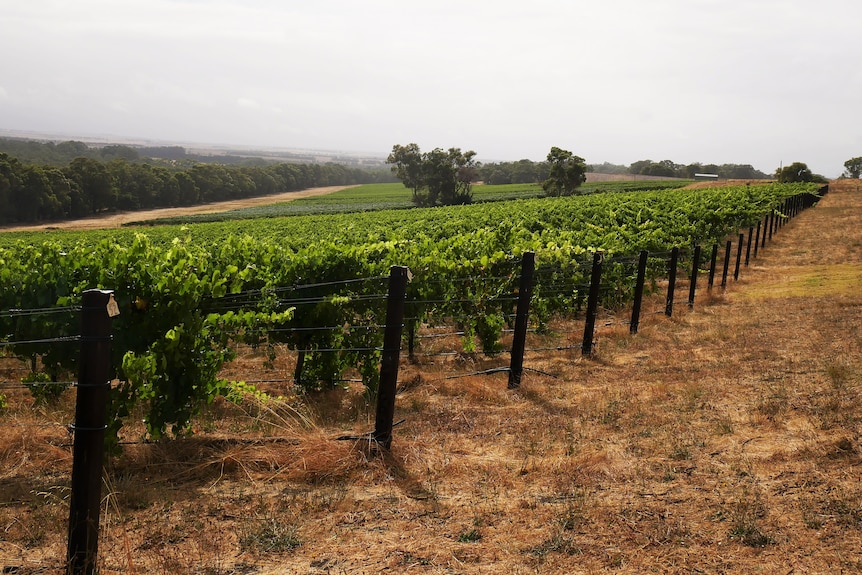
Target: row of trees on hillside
527	171
60	154
86	186
669	169
443	177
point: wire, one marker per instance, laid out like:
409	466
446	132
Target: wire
339	349
328	284
14	312
329	299
65	339
28	384
559	348
330	329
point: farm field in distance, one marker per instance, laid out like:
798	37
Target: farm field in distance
327	200
722	440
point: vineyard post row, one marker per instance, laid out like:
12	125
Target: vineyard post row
98	308
774	220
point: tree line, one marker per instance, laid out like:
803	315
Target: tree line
86	186
59	154
530	172
442	177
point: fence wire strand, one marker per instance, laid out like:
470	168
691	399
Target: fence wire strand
14	312
50	340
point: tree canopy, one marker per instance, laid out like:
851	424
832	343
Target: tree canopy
853	167
567	172
795	172
438	177
34	193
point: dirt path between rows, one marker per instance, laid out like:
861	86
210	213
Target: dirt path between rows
118	219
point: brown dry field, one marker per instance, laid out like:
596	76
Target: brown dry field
117	219
725	439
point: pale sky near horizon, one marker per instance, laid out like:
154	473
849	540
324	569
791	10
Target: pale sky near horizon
761	82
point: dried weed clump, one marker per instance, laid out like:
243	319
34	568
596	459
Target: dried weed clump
722	440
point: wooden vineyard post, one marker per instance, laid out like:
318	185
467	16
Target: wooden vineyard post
712	259
757	238
692	288
398	278
411	339
671	282
771	223
519	341
726	264
592	304
738	257
748	247
88	450
639	292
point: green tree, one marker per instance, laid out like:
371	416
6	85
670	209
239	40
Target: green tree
119	151
638	167
567	172
438	177
795	172
35	196
95	184
853	167
524	172
189	193
61	201
10	186
608	168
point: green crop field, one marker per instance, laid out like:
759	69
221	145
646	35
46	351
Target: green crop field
376	197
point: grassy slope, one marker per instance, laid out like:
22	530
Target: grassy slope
722	440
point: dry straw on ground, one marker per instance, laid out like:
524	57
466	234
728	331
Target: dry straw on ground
722	440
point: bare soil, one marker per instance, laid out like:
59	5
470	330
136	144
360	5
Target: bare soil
118	219
725	439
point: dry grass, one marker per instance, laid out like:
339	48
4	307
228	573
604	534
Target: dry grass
722	440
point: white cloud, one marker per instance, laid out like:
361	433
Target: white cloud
247	103
619	80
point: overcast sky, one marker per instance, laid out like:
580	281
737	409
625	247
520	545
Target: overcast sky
760	82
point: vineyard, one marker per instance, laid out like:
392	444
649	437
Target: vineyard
375	197
191	293
190	298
